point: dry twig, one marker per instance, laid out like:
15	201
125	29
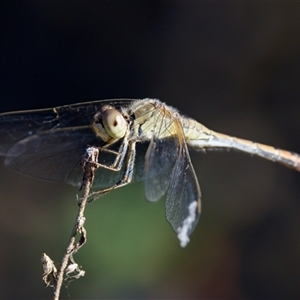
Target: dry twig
68	265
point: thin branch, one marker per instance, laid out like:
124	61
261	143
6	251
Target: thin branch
68	264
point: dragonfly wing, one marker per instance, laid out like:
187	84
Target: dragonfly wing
168	170
159	162
183	203
49	143
16	126
53	156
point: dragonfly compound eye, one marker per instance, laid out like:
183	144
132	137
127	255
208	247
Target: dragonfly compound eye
114	123
99	128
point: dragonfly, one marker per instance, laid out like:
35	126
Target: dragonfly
137	140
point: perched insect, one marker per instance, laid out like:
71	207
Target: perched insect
137	139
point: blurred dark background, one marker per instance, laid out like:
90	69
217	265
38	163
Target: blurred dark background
234	67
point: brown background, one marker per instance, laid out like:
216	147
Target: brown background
233	66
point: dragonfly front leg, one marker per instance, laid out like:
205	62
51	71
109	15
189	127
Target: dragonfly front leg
128	172
120	155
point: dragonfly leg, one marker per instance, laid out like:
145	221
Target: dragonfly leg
119	160
119	156
128	173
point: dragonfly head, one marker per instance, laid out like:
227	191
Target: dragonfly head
109	124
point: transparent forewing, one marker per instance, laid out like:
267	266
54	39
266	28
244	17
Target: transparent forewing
159	163
161	153
49	143
54	156
16	126
183	195
168	170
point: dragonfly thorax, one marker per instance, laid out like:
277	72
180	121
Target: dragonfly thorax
109	124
